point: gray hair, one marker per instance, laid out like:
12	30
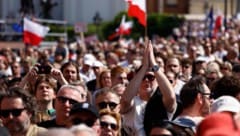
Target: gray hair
56	132
83	128
80	83
68	86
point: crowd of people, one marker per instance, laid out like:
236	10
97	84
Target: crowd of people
184	85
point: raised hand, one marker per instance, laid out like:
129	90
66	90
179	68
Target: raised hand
152	60
145	62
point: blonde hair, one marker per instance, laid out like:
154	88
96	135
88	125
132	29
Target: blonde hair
115	115
213	67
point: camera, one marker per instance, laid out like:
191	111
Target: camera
44	69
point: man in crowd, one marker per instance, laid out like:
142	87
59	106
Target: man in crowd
140	90
195	99
66	97
17	111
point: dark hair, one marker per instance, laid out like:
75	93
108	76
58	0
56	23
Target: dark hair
163	124
71	63
176	130
186	61
236	68
227	85
28	100
190	91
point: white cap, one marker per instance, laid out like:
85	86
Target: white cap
89	57
88	62
201	59
97	64
226	103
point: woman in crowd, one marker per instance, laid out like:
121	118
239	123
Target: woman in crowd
110	123
105	79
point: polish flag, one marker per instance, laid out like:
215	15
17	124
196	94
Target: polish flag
33	33
137	8
125	27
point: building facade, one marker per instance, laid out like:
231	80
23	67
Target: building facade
84	10
70	10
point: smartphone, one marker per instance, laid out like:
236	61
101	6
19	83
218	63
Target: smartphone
44	69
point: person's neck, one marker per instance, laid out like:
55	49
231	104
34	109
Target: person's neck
61	121
192	112
44	106
144	97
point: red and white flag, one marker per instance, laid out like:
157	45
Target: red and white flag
33	33
137	8
125	27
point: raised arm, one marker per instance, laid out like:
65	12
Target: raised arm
57	74
29	79
134	85
169	97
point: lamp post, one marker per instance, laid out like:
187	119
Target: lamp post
225	14
97	19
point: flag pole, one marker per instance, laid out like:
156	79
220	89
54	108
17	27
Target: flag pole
146	27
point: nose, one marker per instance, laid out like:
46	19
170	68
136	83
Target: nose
10	116
67	103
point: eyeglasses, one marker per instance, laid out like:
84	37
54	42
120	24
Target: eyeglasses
95	67
63	99
224	68
186	66
207	95
14	112
111	105
88	122
104	124
149	77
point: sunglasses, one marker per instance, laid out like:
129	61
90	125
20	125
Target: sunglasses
111	105
63	99
149	77
104	124
186	66
14	112
88	122
160	135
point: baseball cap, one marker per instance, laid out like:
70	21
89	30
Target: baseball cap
226	103
84	107
89	57
88	62
201	59
97	64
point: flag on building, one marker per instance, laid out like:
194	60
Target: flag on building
33	33
137	9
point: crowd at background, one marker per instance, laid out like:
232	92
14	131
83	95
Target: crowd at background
157	86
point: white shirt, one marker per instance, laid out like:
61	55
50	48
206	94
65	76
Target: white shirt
133	119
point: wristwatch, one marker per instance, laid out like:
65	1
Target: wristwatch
155	68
